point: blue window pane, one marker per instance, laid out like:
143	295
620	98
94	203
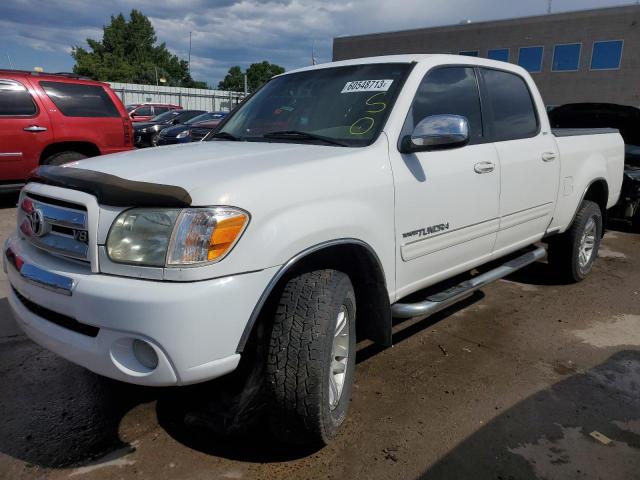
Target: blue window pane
606	55
470	53
566	58
530	58
501	54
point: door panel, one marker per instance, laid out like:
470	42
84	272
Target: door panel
446	213
25	130
446	200
529	160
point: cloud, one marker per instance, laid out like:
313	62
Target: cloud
240	32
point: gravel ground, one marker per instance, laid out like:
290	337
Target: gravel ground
527	379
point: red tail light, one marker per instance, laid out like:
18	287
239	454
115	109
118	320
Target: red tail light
128	131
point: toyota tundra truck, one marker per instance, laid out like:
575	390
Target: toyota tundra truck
332	200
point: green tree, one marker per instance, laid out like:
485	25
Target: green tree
128	52
257	74
234	80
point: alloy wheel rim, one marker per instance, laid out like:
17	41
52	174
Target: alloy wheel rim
587	243
339	357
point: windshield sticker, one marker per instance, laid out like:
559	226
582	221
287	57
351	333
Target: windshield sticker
367	86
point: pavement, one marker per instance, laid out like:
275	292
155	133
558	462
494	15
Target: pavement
530	378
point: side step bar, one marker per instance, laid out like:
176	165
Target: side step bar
448	297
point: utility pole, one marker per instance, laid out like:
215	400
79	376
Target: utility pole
246	86
313	53
549	5
10	62
189	53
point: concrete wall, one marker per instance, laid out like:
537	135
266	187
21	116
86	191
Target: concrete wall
620	23
191	98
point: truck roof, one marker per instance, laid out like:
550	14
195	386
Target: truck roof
418	58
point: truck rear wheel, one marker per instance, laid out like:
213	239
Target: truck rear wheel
311	358
572	253
63	157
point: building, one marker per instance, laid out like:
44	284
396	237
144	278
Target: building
585	56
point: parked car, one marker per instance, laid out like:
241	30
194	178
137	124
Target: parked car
183	133
626	119
50	119
143	112
146	134
268	252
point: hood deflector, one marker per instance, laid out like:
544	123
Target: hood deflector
112	190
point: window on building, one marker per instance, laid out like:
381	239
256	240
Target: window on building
511	110
530	58
470	53
15	100
449	90
501	54
606	55
78	100
566	58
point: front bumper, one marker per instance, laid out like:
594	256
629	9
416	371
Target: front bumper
193	327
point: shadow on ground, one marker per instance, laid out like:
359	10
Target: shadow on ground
548	434
9	200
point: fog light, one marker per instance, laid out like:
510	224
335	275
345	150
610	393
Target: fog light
145	354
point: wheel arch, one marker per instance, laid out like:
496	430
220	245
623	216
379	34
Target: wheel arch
597	191
352	256
86	148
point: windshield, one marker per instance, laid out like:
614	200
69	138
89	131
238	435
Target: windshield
347	105
204	117
165	116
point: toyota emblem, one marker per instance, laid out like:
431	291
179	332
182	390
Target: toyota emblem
37	223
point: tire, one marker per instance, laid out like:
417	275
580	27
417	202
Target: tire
302	405
63	157
635	221
153	141
572	253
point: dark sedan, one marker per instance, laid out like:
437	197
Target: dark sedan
184	133
146	133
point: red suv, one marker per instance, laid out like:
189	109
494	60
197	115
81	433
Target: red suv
142	112
56	118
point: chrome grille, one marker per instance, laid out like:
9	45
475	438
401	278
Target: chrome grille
55	226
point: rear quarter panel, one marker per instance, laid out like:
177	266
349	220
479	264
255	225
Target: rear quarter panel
106	133
585	159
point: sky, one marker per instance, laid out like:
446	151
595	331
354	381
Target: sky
239	32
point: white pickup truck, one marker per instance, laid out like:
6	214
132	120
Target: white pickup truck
323	201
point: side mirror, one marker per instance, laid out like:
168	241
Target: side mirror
437	132
175	121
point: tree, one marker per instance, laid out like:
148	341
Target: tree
234	80
257	74
128	53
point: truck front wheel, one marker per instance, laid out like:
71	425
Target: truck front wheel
572	253
311	359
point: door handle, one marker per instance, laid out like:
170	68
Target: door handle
484	167
35	128
548	156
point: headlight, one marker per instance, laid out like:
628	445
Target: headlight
143	130
183	134
174	237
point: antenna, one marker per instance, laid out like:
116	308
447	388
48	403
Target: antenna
189	53
313	53
10	62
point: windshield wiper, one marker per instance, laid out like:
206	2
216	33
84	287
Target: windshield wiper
226	136
299	135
